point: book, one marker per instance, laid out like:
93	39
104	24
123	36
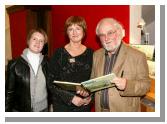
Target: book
68	85
91	85
99	83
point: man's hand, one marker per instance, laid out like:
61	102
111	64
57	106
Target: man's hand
120	83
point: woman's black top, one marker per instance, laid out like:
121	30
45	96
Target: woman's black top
64	67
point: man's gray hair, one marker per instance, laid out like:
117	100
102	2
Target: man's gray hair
117	24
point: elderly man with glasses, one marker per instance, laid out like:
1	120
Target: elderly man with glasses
129	65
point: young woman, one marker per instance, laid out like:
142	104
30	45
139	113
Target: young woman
26	86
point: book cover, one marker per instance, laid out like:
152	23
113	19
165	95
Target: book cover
91	85
99	83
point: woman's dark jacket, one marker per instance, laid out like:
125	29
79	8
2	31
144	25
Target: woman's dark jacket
61	68
17	87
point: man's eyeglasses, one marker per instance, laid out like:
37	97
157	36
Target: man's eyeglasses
109	34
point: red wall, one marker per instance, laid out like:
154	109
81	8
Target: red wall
92	14
18	32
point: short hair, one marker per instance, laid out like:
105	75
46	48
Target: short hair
75	20
113	21
41	31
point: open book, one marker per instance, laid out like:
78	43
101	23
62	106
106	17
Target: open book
91	85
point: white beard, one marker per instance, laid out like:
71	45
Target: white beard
110	48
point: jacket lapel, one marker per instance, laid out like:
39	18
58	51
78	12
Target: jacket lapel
120	59
102	63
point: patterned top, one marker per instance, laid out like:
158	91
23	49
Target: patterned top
65	67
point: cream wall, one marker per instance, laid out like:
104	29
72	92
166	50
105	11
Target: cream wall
135	16
8	52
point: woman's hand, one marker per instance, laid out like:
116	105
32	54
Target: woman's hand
87	100
81	91
78	101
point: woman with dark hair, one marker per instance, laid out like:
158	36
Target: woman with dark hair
26	86
72	63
